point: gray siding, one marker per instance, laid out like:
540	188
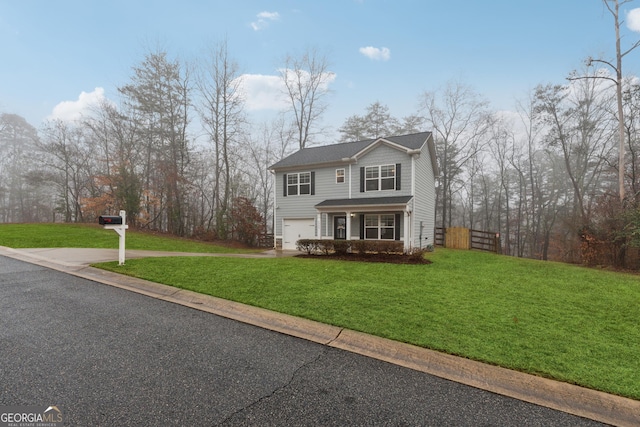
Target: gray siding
424	201
303	206
423	209
382	155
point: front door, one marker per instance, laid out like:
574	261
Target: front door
340	227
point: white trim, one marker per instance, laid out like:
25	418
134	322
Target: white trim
298	185
326	223
379	178
407	231
275	208
398	207
379	226
349	180
413	176
382	141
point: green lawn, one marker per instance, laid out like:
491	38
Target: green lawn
560	321
94	236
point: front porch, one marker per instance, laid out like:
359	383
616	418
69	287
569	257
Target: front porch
380	218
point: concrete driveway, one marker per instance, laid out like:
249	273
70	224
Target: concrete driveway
84	256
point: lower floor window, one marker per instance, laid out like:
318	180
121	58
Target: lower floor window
379	227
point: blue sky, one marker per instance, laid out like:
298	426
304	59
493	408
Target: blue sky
53	51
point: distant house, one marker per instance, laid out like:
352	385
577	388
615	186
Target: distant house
380	189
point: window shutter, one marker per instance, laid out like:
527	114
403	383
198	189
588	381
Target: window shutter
284	185
362	226
398	176
397	233
362	179
313	183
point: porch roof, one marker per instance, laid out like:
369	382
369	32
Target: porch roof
365	202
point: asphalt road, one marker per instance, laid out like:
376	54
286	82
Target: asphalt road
109	357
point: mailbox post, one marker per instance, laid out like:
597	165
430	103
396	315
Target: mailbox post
119	225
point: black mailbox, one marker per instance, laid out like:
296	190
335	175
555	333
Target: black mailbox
110	220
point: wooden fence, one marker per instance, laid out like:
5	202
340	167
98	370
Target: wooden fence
465	238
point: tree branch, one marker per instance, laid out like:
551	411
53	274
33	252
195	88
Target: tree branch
635	45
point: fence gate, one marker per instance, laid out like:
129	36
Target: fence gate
457	238
464	238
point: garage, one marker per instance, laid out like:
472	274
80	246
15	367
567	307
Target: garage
296	229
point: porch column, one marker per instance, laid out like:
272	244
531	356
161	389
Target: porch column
348	231
407	231
319	226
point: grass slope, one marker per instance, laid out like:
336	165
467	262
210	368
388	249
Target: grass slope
559	321
94	236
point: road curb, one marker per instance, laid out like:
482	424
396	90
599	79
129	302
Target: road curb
576	400
580	401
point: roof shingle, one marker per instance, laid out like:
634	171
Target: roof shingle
337	152
366	201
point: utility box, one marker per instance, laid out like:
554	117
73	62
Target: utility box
110	220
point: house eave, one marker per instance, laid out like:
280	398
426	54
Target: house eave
383	141
337	163
365	205
365	208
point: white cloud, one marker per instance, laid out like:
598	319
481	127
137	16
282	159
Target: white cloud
267	92
633	20
375	53
264	18
262	92
273	16
69	111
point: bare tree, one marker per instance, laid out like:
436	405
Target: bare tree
632	129
614	8
66	163
17	143
222	113
460	121
576	117
306	79
118	179
501	148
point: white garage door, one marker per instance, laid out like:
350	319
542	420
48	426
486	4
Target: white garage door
296	229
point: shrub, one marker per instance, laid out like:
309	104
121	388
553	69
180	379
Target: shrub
388	247
360	246
246	222
307	245
341	247
417	254
326	246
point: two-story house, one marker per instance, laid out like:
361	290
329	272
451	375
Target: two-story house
380	188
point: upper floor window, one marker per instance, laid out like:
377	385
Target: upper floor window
339	176
298	183
380	178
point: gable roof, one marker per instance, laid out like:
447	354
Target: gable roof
349	151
